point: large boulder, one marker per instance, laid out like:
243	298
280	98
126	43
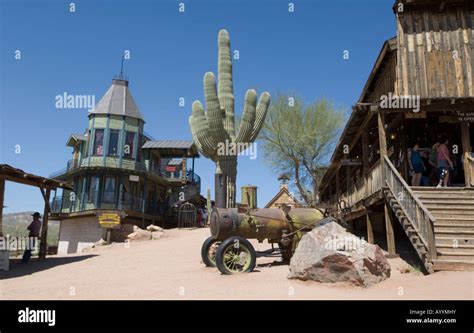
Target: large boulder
139	234
154	228
329	253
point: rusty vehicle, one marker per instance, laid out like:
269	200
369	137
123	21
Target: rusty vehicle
228	247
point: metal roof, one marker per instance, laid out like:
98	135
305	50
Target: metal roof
118	100
172	144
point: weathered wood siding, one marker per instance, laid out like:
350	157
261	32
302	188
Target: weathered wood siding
385	83
435	52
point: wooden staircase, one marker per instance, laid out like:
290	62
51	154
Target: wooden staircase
453	210
438	221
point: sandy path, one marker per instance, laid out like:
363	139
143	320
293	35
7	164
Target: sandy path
170	268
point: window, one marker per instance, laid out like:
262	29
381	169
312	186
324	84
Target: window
93	189
113	143
88	142
109	190
98	142
128	147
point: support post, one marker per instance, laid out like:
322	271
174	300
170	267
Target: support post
370	230
44	228
389	230
383	153
2	196
466	149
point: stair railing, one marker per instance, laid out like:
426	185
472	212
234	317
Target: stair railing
416	212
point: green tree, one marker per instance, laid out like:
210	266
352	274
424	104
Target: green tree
299	140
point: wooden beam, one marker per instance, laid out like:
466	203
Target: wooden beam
2	196
389	230
466	148
44	228
370	230
46	201
382	138
26	182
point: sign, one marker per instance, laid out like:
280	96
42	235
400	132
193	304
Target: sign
350	161
109	220
465	116
416	115
134	178
171	168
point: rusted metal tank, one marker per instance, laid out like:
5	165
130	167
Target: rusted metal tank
266	223
228	247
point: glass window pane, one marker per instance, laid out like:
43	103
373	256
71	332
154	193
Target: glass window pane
109	190
98	142
113	143
128	147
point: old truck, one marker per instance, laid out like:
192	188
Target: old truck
228	247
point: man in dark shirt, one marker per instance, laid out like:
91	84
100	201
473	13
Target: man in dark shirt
34	234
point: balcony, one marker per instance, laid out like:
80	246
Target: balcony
71	165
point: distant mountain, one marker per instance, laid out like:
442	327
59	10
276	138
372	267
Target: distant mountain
15	224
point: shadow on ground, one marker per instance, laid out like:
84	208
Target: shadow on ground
17	268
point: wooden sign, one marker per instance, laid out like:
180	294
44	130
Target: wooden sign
350	161
416	115
109	220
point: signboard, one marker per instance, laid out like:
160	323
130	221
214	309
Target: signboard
465	116
109	220
171	168
134	178
416	115
350	161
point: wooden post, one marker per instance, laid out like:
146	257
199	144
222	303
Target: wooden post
389	230
383	153
382	138
44	228
403	142
370	230
2	196
466	149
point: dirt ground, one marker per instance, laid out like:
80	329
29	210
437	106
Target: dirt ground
171	268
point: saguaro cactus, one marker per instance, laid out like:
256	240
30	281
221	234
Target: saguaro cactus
214	129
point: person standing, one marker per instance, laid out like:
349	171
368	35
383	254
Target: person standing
33	235
416	165
444	162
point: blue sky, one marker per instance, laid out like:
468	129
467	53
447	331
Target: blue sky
78	53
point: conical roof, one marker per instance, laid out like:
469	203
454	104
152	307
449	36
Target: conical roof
118	100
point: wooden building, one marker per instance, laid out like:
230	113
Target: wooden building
121	176
420	87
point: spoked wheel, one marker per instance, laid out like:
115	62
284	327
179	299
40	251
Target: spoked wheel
235	255
208	251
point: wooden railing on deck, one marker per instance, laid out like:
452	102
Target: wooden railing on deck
415	211
364	187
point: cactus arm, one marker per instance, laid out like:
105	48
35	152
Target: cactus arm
200	131
225	85
262	108
214	112
248	117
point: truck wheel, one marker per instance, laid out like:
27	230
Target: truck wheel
208	251
285	251
235	255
